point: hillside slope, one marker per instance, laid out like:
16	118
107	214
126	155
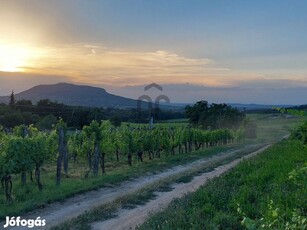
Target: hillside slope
76	95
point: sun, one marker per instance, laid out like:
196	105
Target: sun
13	58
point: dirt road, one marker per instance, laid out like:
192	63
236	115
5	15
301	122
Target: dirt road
59	212
129	219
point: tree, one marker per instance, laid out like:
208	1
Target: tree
197	112
12	99
215	116
24	102
24	105
48	103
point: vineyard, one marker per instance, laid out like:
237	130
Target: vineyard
267	192
26	152
41	167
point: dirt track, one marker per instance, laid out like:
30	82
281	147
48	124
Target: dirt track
59	212
129	219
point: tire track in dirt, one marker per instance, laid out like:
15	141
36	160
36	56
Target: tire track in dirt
129	219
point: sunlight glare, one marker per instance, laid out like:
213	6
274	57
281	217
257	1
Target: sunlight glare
13	58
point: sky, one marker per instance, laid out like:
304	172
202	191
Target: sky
222	47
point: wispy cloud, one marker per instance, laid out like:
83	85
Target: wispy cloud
100	65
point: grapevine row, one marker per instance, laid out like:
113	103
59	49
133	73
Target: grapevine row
25	150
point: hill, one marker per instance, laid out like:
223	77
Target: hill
74	95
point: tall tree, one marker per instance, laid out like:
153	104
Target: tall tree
12	99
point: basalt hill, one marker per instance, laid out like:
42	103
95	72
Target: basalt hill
74	95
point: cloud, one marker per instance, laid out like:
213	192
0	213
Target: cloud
99	65
113	69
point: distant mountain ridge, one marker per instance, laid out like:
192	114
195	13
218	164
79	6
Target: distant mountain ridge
74	95
89	96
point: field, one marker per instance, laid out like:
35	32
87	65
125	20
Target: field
272	127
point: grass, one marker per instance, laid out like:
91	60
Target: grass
251	185
272	127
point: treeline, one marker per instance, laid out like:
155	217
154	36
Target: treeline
46	113
214	116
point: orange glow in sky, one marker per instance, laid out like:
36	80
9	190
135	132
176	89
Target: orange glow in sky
17	57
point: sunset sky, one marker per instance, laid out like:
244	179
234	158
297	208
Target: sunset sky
185	45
